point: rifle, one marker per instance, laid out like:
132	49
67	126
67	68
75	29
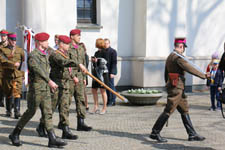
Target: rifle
108	88
100	82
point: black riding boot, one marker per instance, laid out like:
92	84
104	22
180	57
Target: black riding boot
67	134
158	127
41	130
8	103
192	135
81	126
1	99
15	136
17	108
55	141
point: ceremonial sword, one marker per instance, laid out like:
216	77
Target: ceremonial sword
189	62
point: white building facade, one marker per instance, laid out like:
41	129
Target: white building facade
142	31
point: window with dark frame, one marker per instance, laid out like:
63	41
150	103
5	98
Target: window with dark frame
86	11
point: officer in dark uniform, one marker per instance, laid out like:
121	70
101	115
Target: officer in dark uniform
175	68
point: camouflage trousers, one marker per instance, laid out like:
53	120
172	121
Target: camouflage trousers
12	87
35	99
61	99
77	91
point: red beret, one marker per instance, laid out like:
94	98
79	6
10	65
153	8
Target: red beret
65	39
12	36
4	32
41	36
75	31
180	40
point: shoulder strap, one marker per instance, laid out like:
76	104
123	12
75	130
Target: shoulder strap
57	51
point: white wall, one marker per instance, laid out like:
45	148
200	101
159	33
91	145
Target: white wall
165	20
61	17
139	29
109	22
205	27
125	28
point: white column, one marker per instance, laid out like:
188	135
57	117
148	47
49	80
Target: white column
3	14
34	14
139	30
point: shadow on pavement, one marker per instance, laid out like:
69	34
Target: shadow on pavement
145	140
167	146
30	124
6	141
25	132
199	107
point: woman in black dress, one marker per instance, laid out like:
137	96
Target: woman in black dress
99	70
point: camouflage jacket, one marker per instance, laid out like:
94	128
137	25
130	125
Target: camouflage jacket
61	71
9	58
78	54
39	71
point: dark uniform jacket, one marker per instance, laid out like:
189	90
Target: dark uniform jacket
177	65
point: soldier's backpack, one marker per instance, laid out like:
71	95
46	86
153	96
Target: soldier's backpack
222	100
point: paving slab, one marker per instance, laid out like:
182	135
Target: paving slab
127	127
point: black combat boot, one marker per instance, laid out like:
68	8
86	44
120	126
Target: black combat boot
41	130
17	108
8	103
15	136
192	135
55	141
1	99
67	134
81	126
60	125
158	127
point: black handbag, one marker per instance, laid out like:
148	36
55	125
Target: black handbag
222	100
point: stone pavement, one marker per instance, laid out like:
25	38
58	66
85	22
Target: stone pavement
127	127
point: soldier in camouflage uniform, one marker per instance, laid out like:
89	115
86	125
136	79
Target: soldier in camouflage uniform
61	73
79	79
12	76
39	92
41	127
175	69
3	43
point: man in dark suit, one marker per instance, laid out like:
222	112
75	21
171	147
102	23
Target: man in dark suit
112	67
